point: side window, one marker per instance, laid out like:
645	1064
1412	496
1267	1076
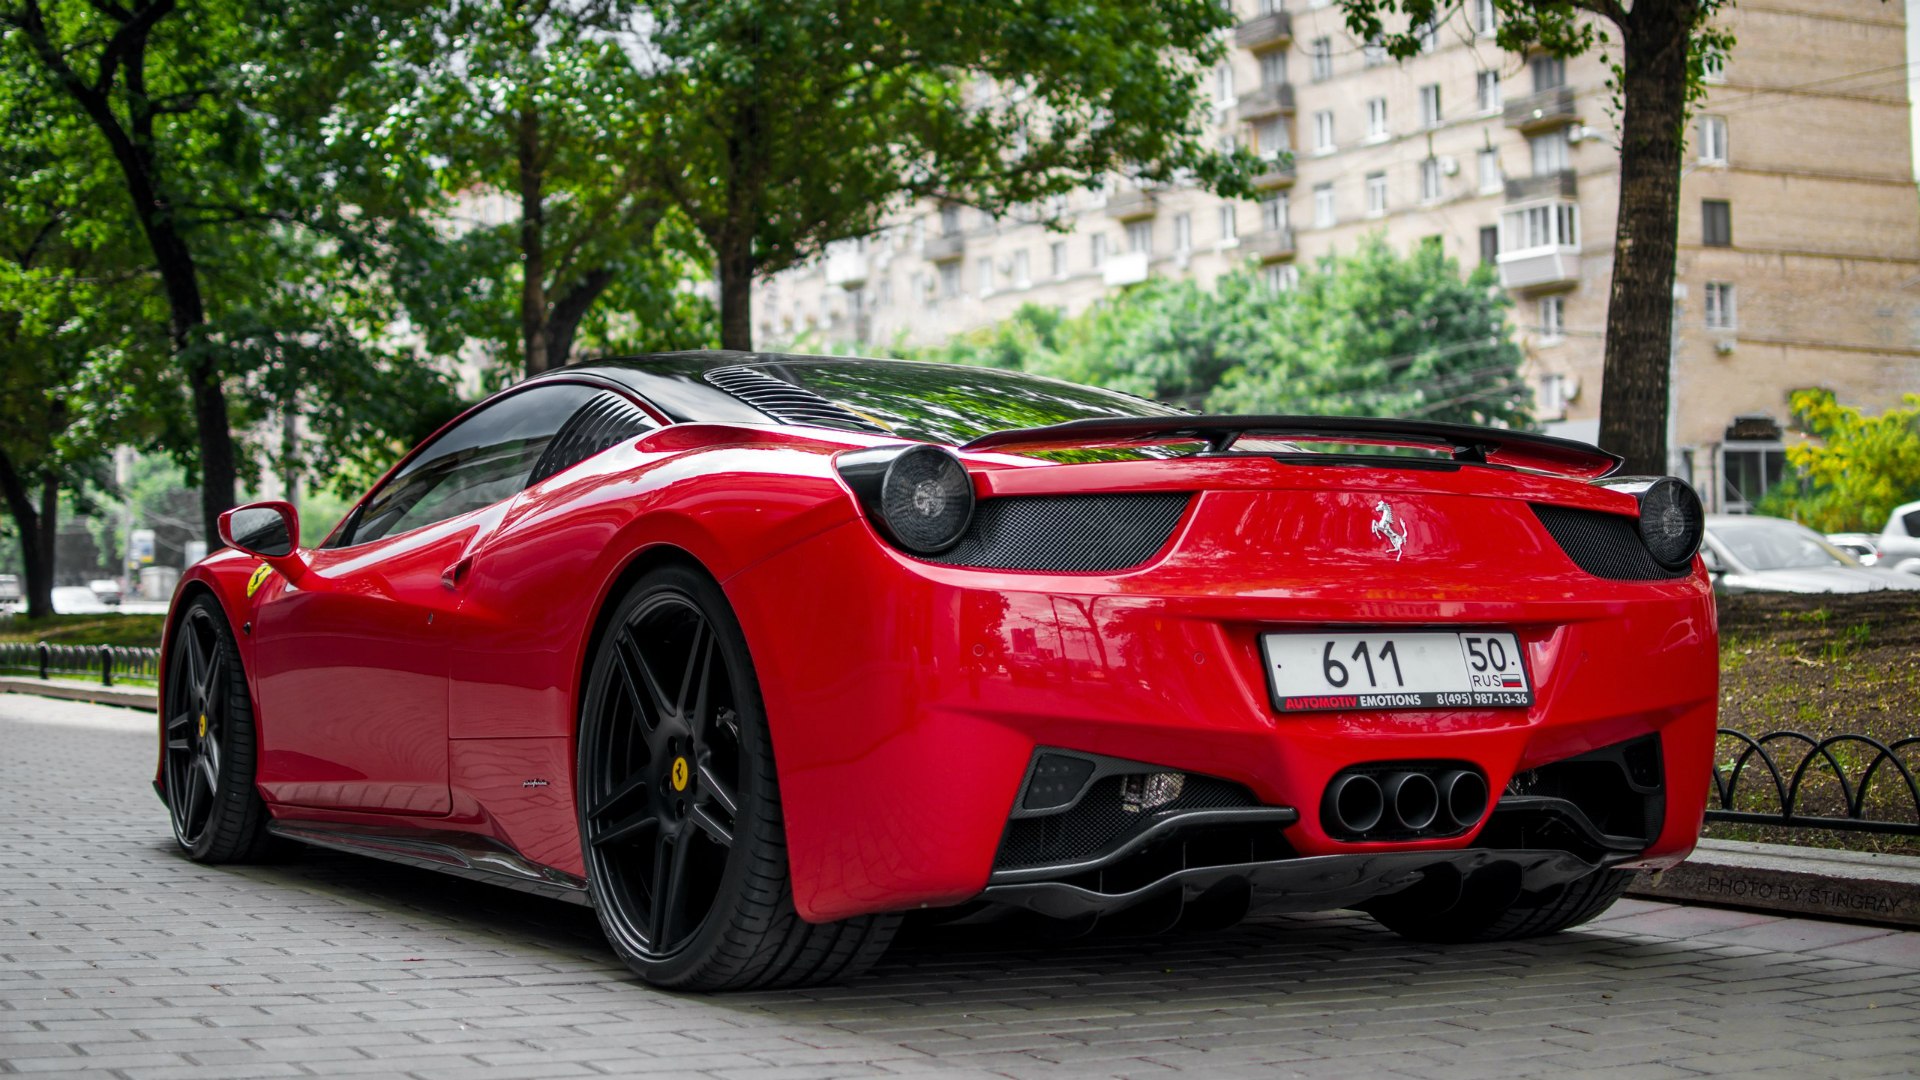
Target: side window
485	458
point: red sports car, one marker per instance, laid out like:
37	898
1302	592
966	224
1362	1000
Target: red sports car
755	653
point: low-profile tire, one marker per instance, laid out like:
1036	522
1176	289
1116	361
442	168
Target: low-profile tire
1527	915
207	729
680	821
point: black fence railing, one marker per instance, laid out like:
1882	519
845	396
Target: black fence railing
103	662
1855	783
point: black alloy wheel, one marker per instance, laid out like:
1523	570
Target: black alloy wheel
679	804
208	732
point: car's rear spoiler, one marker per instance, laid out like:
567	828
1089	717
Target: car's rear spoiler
1464	442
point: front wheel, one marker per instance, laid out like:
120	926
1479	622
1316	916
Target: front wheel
680	805
1480	915
208	731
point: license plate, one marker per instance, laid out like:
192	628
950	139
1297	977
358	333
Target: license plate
1417	670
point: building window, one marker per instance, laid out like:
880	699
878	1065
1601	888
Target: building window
1546	225
1713	68
1375	53
1140	237
984	267
1274	212
1486	21
1551	399
1486	85
1323	205
949	221
1430	182
1716	223
1223	85
1059	259
1376	194
1491	177
1377	118
1550	152
1549	72
1748	470
1283	277
1229	222
1183	233
1097	250
1430	105
1270	138
1429	33
1553	318
1713	140
1273	68
1323	131
1271	7
950	281
1720	313
1489	244
1022	270
1321	54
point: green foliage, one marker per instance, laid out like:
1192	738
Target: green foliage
1371	333
1859	470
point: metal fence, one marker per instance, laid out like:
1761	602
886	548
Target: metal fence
103	662
1855	783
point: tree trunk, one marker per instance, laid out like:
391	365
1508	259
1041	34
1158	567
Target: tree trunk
735	266
533	244
36	546
1634	385
564	321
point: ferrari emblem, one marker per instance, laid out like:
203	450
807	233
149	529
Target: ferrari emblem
203	725
679	774
1383	528
259	577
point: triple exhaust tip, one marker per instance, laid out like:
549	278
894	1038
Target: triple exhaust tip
1407	801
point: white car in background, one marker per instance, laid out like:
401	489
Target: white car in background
1749	553
1899	542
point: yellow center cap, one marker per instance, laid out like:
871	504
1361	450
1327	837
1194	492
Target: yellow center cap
679	774
203	725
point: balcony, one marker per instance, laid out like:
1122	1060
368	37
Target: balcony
847	268
1273	31
1273	99
1276	173
1539	267
1269	245
945	247
1553	185
1129	268
1548	108
1132	205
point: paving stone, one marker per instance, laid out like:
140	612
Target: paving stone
118	957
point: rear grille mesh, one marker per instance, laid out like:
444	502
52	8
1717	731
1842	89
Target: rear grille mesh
1100	822
1604	545
1086	533
788	403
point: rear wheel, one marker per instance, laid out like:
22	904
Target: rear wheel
680	805
207	725
1481	915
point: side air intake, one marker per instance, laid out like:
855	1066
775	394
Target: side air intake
786	402
1604	545
604	420
1083	533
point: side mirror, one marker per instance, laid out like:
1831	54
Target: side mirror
269	530
1714	566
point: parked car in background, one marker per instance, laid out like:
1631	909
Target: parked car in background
1864	547
76	600
9	589
106	590
1749	553
1900	541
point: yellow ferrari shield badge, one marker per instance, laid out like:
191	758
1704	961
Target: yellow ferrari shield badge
679	774
258	579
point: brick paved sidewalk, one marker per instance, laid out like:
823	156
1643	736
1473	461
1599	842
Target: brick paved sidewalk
117	957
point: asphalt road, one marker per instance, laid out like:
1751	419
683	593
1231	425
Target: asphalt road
117	957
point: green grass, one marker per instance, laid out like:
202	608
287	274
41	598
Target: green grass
88	629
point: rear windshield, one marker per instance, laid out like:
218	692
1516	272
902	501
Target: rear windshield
952	404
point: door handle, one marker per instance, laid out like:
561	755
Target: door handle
453	575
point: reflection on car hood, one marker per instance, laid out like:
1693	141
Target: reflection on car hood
1823	579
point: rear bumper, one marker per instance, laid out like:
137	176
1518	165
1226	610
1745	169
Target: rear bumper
898	770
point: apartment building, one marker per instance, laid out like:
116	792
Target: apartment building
1799	261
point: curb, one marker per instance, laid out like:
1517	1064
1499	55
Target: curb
145	700
1853	886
